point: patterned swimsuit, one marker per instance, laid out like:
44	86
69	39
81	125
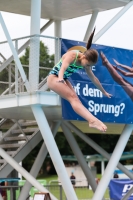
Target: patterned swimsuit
72	68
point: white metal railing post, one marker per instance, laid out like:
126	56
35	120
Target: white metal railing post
16	69
34	45
59	49
9	78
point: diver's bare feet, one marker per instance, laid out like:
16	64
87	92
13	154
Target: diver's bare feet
98	125
104	59
116	62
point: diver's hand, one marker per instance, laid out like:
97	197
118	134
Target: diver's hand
107	94
61	81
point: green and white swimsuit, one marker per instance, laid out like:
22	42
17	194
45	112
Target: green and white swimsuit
72	68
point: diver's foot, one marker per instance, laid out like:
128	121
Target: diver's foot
104	59
116	62
98	125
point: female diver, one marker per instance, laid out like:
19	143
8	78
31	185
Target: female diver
57	80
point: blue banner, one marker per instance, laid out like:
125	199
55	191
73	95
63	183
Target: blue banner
118	188
114	71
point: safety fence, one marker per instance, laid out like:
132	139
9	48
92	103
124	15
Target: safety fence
10	77
83	193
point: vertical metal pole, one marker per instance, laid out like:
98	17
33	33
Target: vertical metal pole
75	148
96	147
34	44
57	33
112	21
37	165
20	82
58	28
91	25
22	87
10	79
102	166
113	162
53	151
16	69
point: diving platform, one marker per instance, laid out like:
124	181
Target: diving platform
18	106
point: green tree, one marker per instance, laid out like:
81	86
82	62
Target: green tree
45	60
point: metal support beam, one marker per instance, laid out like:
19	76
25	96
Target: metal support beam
91	25
16	58
80	157
22	171
57	28
34	45
96	147
57	33
53	151
37	164
112	21
113	162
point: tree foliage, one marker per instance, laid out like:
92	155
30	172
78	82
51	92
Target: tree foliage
45	60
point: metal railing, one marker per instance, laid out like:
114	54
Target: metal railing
11	191
11	81
81	187
83	193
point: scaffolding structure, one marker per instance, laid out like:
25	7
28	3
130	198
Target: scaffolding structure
35	103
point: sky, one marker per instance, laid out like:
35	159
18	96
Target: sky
119	35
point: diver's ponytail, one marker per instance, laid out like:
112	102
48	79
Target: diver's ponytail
90	40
